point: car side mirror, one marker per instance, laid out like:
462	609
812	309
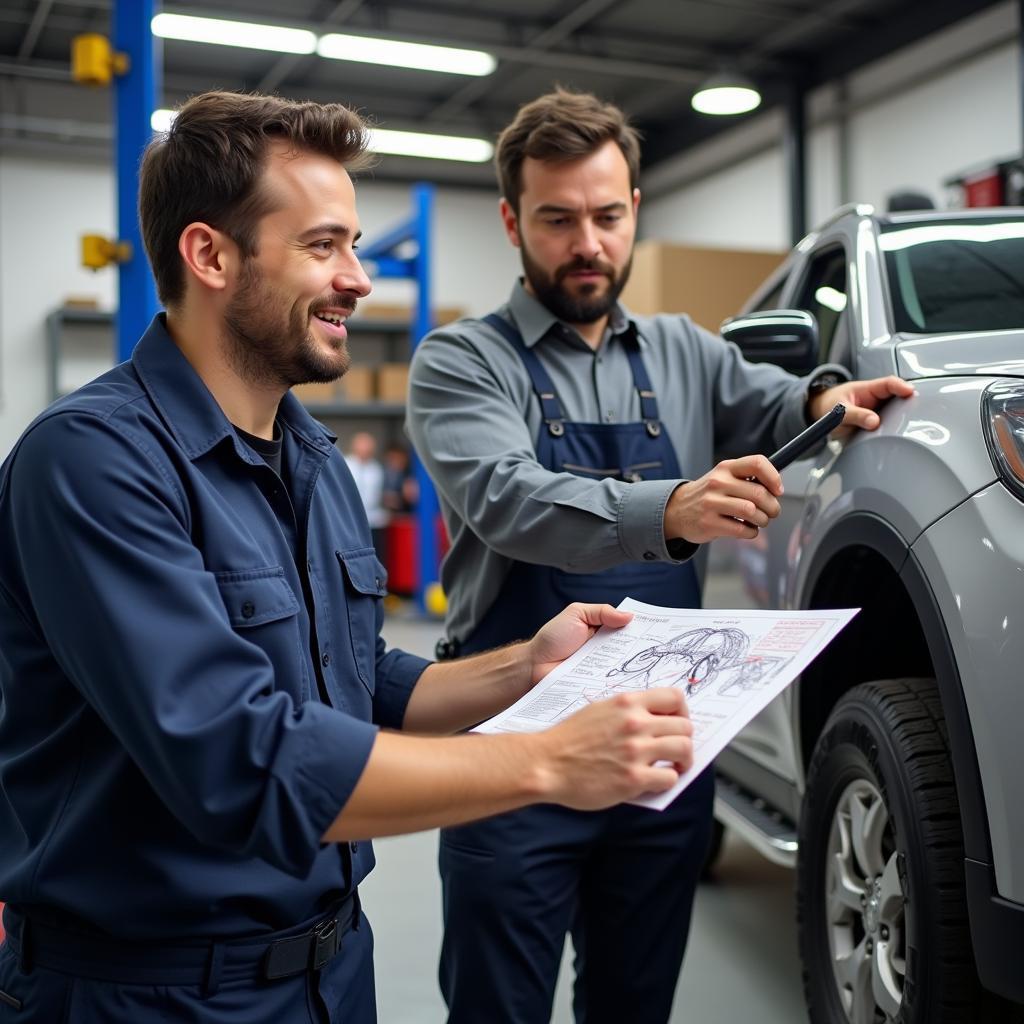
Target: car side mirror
785	337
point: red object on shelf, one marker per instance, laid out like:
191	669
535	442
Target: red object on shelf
402	560
984	189
403	553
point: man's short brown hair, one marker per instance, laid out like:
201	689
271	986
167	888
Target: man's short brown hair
209	165
562	126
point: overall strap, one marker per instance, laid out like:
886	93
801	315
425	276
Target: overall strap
551	408
642	383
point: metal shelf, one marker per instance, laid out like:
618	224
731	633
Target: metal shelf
55	322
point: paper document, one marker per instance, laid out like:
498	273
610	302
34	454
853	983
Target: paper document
731	664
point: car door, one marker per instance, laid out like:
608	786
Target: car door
818	285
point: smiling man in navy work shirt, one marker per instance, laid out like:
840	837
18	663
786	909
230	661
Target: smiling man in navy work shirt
194	696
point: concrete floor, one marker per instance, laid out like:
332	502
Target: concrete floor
741	963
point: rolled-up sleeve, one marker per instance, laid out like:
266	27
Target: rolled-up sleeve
469	427
136	622
398	672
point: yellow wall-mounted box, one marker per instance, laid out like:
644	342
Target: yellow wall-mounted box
93	60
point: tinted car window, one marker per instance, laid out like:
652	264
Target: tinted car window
955	276
823	293
771	300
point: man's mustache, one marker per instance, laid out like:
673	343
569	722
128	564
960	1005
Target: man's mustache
581	264
336	301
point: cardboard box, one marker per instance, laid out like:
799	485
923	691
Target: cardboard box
313	394
392	382
708	284
357	384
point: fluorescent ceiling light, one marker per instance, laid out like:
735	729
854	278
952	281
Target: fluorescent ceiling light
397	54
726	94
233	33
436	147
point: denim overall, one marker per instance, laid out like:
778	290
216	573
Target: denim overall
621	880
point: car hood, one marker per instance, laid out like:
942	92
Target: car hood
993	354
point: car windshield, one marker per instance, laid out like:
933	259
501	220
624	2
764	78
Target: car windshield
955	275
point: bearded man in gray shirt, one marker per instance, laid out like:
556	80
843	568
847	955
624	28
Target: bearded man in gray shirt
573	447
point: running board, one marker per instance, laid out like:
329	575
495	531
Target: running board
772	835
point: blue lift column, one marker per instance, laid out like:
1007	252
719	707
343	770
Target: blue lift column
135	99
385	255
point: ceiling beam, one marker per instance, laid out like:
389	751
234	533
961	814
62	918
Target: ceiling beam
290	63
34	29
556	33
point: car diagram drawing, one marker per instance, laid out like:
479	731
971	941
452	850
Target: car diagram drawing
695	659
733	662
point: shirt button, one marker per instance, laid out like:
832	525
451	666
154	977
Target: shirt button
609	416
325	659
649	556
248	610
354	847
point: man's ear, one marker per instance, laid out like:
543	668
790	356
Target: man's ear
510	222
636	201
210	256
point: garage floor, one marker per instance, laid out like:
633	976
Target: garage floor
741	963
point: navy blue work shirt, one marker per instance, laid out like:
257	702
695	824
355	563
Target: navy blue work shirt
167	764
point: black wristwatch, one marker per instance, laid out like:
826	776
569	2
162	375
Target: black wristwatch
824	381
446	649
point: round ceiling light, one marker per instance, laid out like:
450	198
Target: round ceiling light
726	94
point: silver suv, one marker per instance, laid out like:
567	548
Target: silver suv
891	774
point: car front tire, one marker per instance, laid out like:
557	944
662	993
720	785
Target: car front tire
881	907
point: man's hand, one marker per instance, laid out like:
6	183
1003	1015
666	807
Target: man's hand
567	632
616	750
735	499
861	398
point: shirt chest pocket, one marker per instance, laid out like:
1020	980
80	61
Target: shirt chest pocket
262	608
365	582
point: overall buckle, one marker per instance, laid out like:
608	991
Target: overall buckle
326	941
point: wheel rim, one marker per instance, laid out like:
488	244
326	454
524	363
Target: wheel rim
864	903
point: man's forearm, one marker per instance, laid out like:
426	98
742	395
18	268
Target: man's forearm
612	750
457	694
412	783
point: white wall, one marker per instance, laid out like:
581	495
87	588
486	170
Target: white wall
935	109
924	135
46	205
736	208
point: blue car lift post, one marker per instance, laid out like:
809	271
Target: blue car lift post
135	96
385	255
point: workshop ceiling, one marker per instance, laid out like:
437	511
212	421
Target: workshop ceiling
646	55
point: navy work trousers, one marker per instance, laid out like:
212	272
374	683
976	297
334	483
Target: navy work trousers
621	881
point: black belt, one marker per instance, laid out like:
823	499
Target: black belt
307	947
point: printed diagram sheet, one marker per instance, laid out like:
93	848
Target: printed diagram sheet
731	664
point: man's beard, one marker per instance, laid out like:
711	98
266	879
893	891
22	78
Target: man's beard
270	348
589	304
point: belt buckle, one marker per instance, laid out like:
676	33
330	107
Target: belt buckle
326	941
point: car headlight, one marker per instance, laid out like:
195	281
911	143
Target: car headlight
1003	417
